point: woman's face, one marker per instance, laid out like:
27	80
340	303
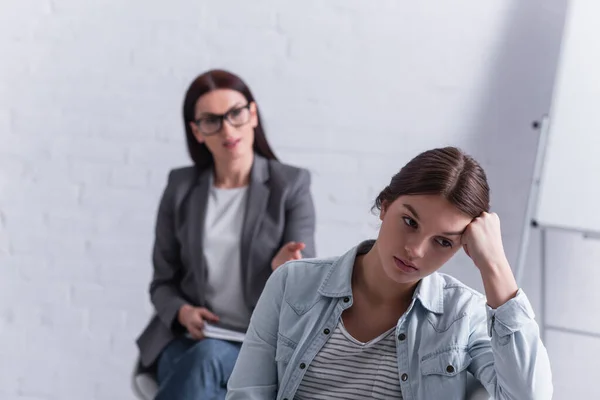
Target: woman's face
231	138
418	234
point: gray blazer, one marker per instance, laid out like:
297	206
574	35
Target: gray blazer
279	209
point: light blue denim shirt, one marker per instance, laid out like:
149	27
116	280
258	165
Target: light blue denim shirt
446	331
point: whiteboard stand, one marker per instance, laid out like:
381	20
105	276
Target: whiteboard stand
533	197
530	223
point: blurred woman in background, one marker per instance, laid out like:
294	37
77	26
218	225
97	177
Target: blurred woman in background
223	226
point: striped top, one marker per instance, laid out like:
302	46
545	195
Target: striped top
348	369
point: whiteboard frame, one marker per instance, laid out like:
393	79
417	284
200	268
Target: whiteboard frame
546	134
530	223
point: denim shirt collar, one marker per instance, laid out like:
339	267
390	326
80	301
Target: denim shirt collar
338	281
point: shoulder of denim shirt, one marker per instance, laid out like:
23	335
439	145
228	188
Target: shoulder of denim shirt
441	293
311	269
452	284
302	279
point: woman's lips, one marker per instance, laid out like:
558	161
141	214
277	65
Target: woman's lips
230	144
404	266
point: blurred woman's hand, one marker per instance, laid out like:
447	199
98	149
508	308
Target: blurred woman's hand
192	318
289	251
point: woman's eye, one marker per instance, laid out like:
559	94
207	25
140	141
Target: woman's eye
444	242
211	120
410	222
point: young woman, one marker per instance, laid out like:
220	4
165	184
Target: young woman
380	322
223	226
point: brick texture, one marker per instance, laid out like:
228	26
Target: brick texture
90	97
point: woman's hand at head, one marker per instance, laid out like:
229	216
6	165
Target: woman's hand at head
482	241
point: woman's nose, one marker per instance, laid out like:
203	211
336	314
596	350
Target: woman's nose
415	249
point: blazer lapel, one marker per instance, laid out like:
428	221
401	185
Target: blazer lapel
197	213
258	194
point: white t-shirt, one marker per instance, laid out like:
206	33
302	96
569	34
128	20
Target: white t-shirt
222	249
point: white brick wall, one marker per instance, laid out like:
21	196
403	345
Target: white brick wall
90	97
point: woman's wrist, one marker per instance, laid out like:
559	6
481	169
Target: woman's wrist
499	283
181	313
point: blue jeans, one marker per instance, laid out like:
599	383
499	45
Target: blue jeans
196	370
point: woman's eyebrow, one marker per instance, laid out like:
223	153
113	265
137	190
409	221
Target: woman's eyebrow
207	113
412	210
454	233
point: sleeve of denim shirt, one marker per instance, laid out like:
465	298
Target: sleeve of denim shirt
254	376
508	357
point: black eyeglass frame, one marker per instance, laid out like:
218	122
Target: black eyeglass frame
221	118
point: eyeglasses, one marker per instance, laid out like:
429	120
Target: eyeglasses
212	123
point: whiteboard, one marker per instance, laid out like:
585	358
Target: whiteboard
569	192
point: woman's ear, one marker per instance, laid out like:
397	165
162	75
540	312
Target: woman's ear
253	114
383	210
199	136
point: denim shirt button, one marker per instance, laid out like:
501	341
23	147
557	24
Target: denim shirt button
326	331
302	366
404	377
401	337
449	369
346	299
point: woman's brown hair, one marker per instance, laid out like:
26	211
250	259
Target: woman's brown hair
448	172
207	82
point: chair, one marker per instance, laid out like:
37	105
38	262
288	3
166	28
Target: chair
143	382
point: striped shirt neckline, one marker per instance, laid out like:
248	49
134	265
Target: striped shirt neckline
346	368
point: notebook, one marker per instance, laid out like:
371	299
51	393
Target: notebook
214	332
